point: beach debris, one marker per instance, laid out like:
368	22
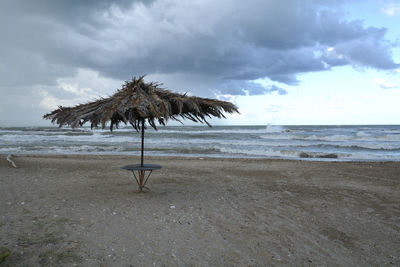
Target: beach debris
9	159
326	156
172	207
329	156
304	155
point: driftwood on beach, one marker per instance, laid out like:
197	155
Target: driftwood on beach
9	159
138	100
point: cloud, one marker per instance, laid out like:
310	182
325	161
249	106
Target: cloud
385	85
248	88
391	8
85	86
199	46
224	39
368	51
274	88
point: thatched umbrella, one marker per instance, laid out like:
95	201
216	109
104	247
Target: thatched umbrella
137	102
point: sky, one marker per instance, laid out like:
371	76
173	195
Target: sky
280	61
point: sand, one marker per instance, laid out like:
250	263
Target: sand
85	211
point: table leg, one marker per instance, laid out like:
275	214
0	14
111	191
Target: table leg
141	178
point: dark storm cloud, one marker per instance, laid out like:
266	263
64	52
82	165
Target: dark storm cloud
227	42
43	40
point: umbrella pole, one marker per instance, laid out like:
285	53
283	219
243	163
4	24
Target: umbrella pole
141	158
141	172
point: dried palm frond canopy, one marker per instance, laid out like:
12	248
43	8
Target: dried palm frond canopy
137	102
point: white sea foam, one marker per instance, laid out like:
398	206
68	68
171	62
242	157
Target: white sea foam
274	128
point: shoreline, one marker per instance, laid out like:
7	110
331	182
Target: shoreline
85	210
92	155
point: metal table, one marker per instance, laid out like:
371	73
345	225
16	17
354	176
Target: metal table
141	170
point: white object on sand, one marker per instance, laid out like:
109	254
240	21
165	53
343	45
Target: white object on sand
11	161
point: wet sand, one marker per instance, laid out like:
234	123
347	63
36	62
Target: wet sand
85	211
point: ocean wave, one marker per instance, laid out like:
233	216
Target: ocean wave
218	130
348	142
333	138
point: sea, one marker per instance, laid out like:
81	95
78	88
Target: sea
320	143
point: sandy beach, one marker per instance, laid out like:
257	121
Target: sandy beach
86	211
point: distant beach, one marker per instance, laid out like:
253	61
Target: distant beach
324	143
84	210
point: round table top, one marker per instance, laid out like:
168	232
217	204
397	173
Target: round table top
145	167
